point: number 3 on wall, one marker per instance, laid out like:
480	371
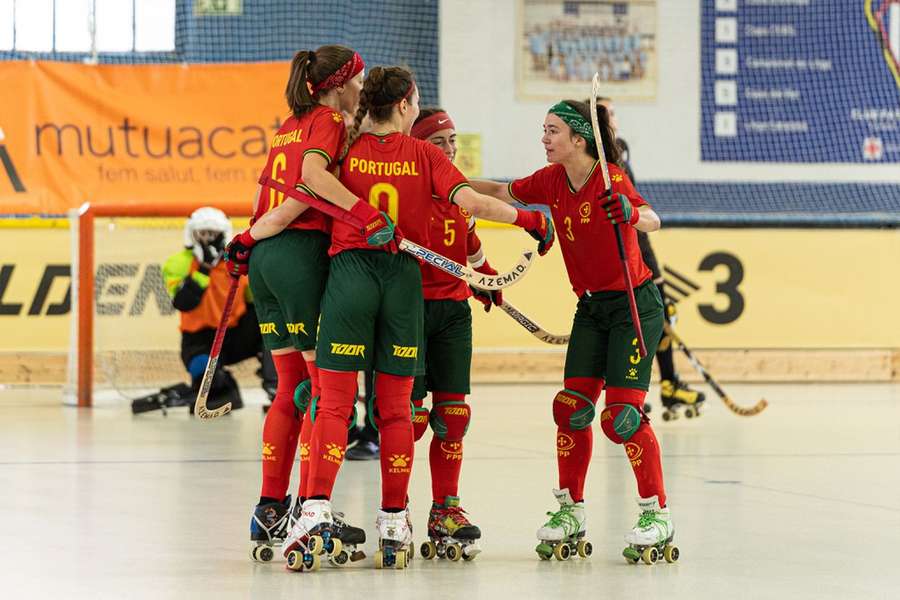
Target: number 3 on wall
729	288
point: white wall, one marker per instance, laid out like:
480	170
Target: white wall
478	87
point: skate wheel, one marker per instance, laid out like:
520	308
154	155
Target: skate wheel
428	550
562	552
295	560
336	546
667	415
584	549
316	545
357	555
470	552
400	559
632	556
544	551
379	559
650	555
671	553
690	413
312	562
454	552
340	558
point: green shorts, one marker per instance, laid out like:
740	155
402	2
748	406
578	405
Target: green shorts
603	342
372	314
287	277
447	350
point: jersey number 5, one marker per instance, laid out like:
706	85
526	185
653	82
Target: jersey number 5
393	199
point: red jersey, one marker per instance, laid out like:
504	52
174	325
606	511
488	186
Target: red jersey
585	236
321	131
449	229
400	175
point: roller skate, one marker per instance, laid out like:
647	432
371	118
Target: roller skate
674	393
268	527
350	538
311	535
563	534
451	535
394	539
651	538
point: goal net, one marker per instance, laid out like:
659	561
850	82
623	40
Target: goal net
125	338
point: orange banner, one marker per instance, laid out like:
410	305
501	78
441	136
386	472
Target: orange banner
71	133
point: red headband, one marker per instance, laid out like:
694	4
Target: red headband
344	74
427	127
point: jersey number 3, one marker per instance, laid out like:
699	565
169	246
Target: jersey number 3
393	199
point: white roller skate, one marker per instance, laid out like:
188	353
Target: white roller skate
310	536
563	534
451	534
394	539
268	527
651	537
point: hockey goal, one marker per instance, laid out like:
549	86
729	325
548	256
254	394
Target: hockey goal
124	335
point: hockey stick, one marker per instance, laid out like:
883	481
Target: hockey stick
629	288
535	329
214	352
469	275
738	410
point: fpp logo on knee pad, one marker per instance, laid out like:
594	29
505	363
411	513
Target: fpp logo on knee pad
620	421
566	411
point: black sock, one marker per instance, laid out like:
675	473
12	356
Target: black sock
268	500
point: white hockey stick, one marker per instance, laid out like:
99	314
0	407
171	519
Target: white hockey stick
535	329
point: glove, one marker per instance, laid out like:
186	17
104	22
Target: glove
378	228
488	298
208	254
619	209
538	226
237	254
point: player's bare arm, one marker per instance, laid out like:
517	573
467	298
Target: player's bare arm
494	189
319	179
648	221
484	206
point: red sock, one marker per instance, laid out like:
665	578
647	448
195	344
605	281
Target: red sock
305	439
642	449
395	427
329	432
313	371
574	446
282	427
445	457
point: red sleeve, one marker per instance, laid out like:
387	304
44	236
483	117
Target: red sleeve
327	134
537	188
622	185
446	179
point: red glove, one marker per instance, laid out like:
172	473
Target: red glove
618	208
378	228
486	297
538	226
237	254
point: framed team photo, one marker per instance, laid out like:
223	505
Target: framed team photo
562	43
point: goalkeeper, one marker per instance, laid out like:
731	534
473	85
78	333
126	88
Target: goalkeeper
198	283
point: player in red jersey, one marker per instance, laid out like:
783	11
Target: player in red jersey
603	348
447	354
288	266
372	307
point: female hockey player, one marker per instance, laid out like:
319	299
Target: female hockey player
447	355
603	349
372	308
288	267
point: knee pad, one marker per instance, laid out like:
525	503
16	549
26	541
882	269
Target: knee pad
302	394
420	420
197	366
351	422
620	421
450	420
573	410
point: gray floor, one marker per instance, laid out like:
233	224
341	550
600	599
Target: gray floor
799	502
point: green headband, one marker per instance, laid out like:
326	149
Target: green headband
573	119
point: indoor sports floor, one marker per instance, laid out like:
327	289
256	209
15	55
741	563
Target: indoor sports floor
798	502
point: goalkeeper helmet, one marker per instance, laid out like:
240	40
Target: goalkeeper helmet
206	225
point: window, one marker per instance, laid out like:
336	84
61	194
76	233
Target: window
84	26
